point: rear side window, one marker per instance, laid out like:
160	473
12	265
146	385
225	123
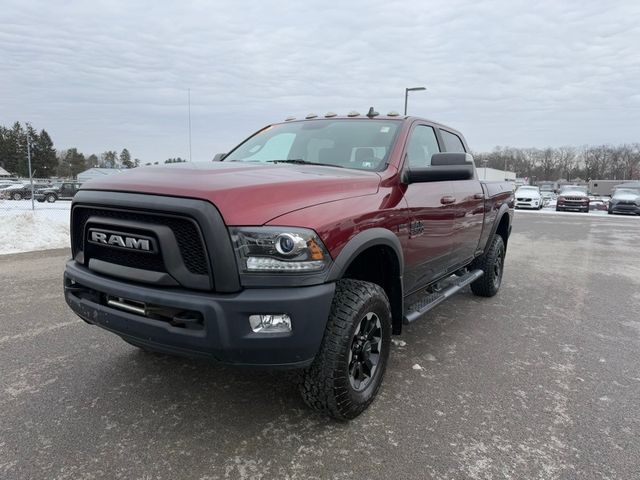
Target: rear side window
452	142
422	144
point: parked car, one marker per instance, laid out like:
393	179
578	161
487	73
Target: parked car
625	200
18	191
59	191
529	196
306	247
573	197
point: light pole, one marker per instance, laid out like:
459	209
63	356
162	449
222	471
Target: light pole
406	95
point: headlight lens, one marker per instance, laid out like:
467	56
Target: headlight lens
278	249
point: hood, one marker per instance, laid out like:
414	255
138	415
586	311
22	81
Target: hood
527	194
626	197
573	193
245	193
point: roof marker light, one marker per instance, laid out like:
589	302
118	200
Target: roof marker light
353	113
311	115
288	119
330	114
393	113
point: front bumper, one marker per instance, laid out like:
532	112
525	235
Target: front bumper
224	335
532	204
580	206
625	208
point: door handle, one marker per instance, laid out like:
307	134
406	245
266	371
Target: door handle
478	196
447	200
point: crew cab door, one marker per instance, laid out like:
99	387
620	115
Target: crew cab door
430	214
468	208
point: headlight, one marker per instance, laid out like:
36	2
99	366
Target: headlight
278	249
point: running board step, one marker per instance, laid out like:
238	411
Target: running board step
426	303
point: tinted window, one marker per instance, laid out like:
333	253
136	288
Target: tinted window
452	143
422	144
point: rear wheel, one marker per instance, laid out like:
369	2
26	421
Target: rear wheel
492	263
17	196
347	372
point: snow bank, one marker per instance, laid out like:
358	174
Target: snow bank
23	230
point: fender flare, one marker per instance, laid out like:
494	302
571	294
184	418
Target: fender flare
504	210
359	243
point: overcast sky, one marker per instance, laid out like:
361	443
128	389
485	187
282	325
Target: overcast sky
107	75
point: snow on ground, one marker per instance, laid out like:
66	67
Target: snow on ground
24	230
592	213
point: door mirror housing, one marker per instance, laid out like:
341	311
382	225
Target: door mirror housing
444	167
218	157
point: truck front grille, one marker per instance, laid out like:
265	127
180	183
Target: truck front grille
185	230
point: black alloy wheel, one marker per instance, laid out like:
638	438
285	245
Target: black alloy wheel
366	348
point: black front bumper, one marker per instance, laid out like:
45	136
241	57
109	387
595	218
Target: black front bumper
625	208
225	334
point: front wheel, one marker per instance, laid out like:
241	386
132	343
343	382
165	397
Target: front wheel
491	262
51	198
347	372
17	196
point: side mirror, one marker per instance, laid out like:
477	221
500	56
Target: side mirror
219	157
444	167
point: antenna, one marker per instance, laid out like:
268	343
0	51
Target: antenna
372	113
189	102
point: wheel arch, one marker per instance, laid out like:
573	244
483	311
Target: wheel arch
502	227
375	255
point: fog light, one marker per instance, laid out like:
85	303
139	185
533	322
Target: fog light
279	323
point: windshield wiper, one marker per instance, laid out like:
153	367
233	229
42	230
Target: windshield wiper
300	161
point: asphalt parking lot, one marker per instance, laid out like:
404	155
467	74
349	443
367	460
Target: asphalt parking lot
541	381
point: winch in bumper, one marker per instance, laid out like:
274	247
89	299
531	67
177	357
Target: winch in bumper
203	324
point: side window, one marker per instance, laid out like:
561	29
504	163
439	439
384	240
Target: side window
422	144
452	142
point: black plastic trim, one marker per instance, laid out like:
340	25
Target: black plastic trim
226	335
359	243
206	215
132	274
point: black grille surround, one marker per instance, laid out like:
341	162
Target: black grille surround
186	231
192	246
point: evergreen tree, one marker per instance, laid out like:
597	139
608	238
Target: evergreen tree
16	151
46	161
72	163
125	159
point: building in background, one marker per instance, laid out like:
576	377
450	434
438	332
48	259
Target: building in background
4	173
97	172
603	187
492	174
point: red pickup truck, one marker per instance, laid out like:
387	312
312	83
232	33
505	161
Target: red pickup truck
307	246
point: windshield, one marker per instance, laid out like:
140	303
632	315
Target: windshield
528	189
359	144
573	188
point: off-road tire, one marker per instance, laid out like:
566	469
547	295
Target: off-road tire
325	385
489	283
